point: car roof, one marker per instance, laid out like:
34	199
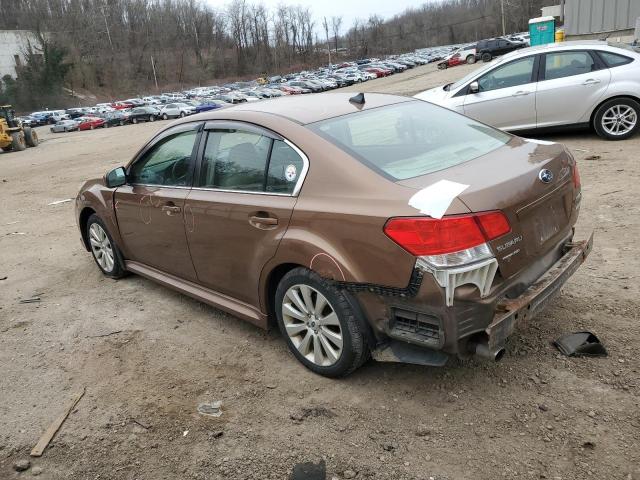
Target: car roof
310	108
550	47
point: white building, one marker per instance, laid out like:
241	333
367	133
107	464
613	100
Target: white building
13	45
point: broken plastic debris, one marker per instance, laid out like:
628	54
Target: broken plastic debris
184	434
58	202
212	409
435	199
580	344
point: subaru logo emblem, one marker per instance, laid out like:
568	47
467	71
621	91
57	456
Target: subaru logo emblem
545	176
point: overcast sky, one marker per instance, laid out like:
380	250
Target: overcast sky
348	9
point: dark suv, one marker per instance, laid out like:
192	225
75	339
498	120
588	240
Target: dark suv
487	49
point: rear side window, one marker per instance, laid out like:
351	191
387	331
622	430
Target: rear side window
567	64
285	166
249	162
410	139
235	160
613	59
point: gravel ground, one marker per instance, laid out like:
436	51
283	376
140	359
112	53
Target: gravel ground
148	356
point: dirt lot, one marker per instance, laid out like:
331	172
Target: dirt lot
148	356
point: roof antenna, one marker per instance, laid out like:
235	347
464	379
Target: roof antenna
358	99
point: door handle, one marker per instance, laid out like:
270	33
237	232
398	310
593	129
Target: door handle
591	81
171	209
521	93
263	220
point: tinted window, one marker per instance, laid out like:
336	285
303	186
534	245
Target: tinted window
613	59
235	160
567	64
410	139
285	167
167	162
512	74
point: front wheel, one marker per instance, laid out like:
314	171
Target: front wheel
104	250
165	117
617	119
152	118
321	327
18	142
181	114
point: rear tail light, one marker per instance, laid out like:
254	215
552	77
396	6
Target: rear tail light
425	236
576	176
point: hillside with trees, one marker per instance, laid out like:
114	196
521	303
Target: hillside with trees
122	47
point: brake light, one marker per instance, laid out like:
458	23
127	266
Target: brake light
576	176
423	236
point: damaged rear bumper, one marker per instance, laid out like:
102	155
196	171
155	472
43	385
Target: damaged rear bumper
469	326
510	312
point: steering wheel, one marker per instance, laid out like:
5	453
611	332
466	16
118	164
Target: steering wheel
180	169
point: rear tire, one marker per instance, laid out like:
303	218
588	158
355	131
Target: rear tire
165	117
30	137
617	119
486	57
134	120
334	328
105	252
18	142
152	118
471	59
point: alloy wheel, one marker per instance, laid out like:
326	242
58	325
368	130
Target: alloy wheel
101	247
619	120
312	325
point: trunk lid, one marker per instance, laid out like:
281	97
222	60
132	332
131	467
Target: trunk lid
540	213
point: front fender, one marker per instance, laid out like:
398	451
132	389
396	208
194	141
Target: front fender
96	196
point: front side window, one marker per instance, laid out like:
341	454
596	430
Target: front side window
168	162
513	74
567	64
410	139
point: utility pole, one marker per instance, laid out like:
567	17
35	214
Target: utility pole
504	30
153	66
325	24
106	24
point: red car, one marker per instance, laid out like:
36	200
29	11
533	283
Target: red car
379	72
452	61
289	90
89	123
122	105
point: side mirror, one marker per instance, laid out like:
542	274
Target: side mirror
116	177
474	87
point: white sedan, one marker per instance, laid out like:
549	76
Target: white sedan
172	110
589	83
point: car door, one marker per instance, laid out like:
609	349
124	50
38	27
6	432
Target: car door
240	206
150	207
506	95
571	83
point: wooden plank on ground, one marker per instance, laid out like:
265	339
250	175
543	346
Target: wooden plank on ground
55	426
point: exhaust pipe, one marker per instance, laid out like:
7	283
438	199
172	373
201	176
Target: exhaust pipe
481	349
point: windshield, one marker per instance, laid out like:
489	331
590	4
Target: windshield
470	76
410	139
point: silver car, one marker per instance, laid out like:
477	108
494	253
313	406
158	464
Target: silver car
589	83
64	126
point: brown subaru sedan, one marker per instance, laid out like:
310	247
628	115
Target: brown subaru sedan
364	226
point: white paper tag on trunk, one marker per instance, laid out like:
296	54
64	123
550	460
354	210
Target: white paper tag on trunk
435	199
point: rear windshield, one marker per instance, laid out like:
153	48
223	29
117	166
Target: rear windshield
410	139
